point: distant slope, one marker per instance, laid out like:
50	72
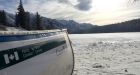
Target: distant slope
128	26
72	26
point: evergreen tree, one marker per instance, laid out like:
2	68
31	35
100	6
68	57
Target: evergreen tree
38	22
50	25
3	19
0	17
17	20
21	16
27	21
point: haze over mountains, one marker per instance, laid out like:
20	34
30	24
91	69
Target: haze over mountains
75	27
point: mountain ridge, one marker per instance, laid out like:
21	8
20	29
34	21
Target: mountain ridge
71	25
75	27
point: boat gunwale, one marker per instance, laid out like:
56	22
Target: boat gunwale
10	33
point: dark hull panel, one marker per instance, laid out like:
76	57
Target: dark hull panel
36	53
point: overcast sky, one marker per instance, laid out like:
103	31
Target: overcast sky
99	12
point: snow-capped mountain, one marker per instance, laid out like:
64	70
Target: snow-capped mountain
10	19
75	27
71	25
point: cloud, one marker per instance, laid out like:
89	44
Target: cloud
84	5
71	10
64	1
7	5
135	0
33	5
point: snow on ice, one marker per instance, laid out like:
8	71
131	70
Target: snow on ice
106	54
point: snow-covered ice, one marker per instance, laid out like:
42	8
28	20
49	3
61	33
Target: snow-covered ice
106	54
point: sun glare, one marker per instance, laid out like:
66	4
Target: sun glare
107	5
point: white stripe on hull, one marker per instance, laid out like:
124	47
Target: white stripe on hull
15	44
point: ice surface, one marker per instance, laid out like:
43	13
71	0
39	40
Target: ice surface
106	54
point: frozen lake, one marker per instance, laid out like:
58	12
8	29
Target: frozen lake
106	54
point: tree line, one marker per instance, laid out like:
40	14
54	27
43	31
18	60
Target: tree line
22	20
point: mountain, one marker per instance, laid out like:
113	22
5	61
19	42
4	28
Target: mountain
48	23
75	27
72	26
10	19
127	26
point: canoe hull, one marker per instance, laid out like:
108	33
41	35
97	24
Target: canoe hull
45	55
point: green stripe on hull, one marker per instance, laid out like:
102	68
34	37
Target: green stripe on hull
13	56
